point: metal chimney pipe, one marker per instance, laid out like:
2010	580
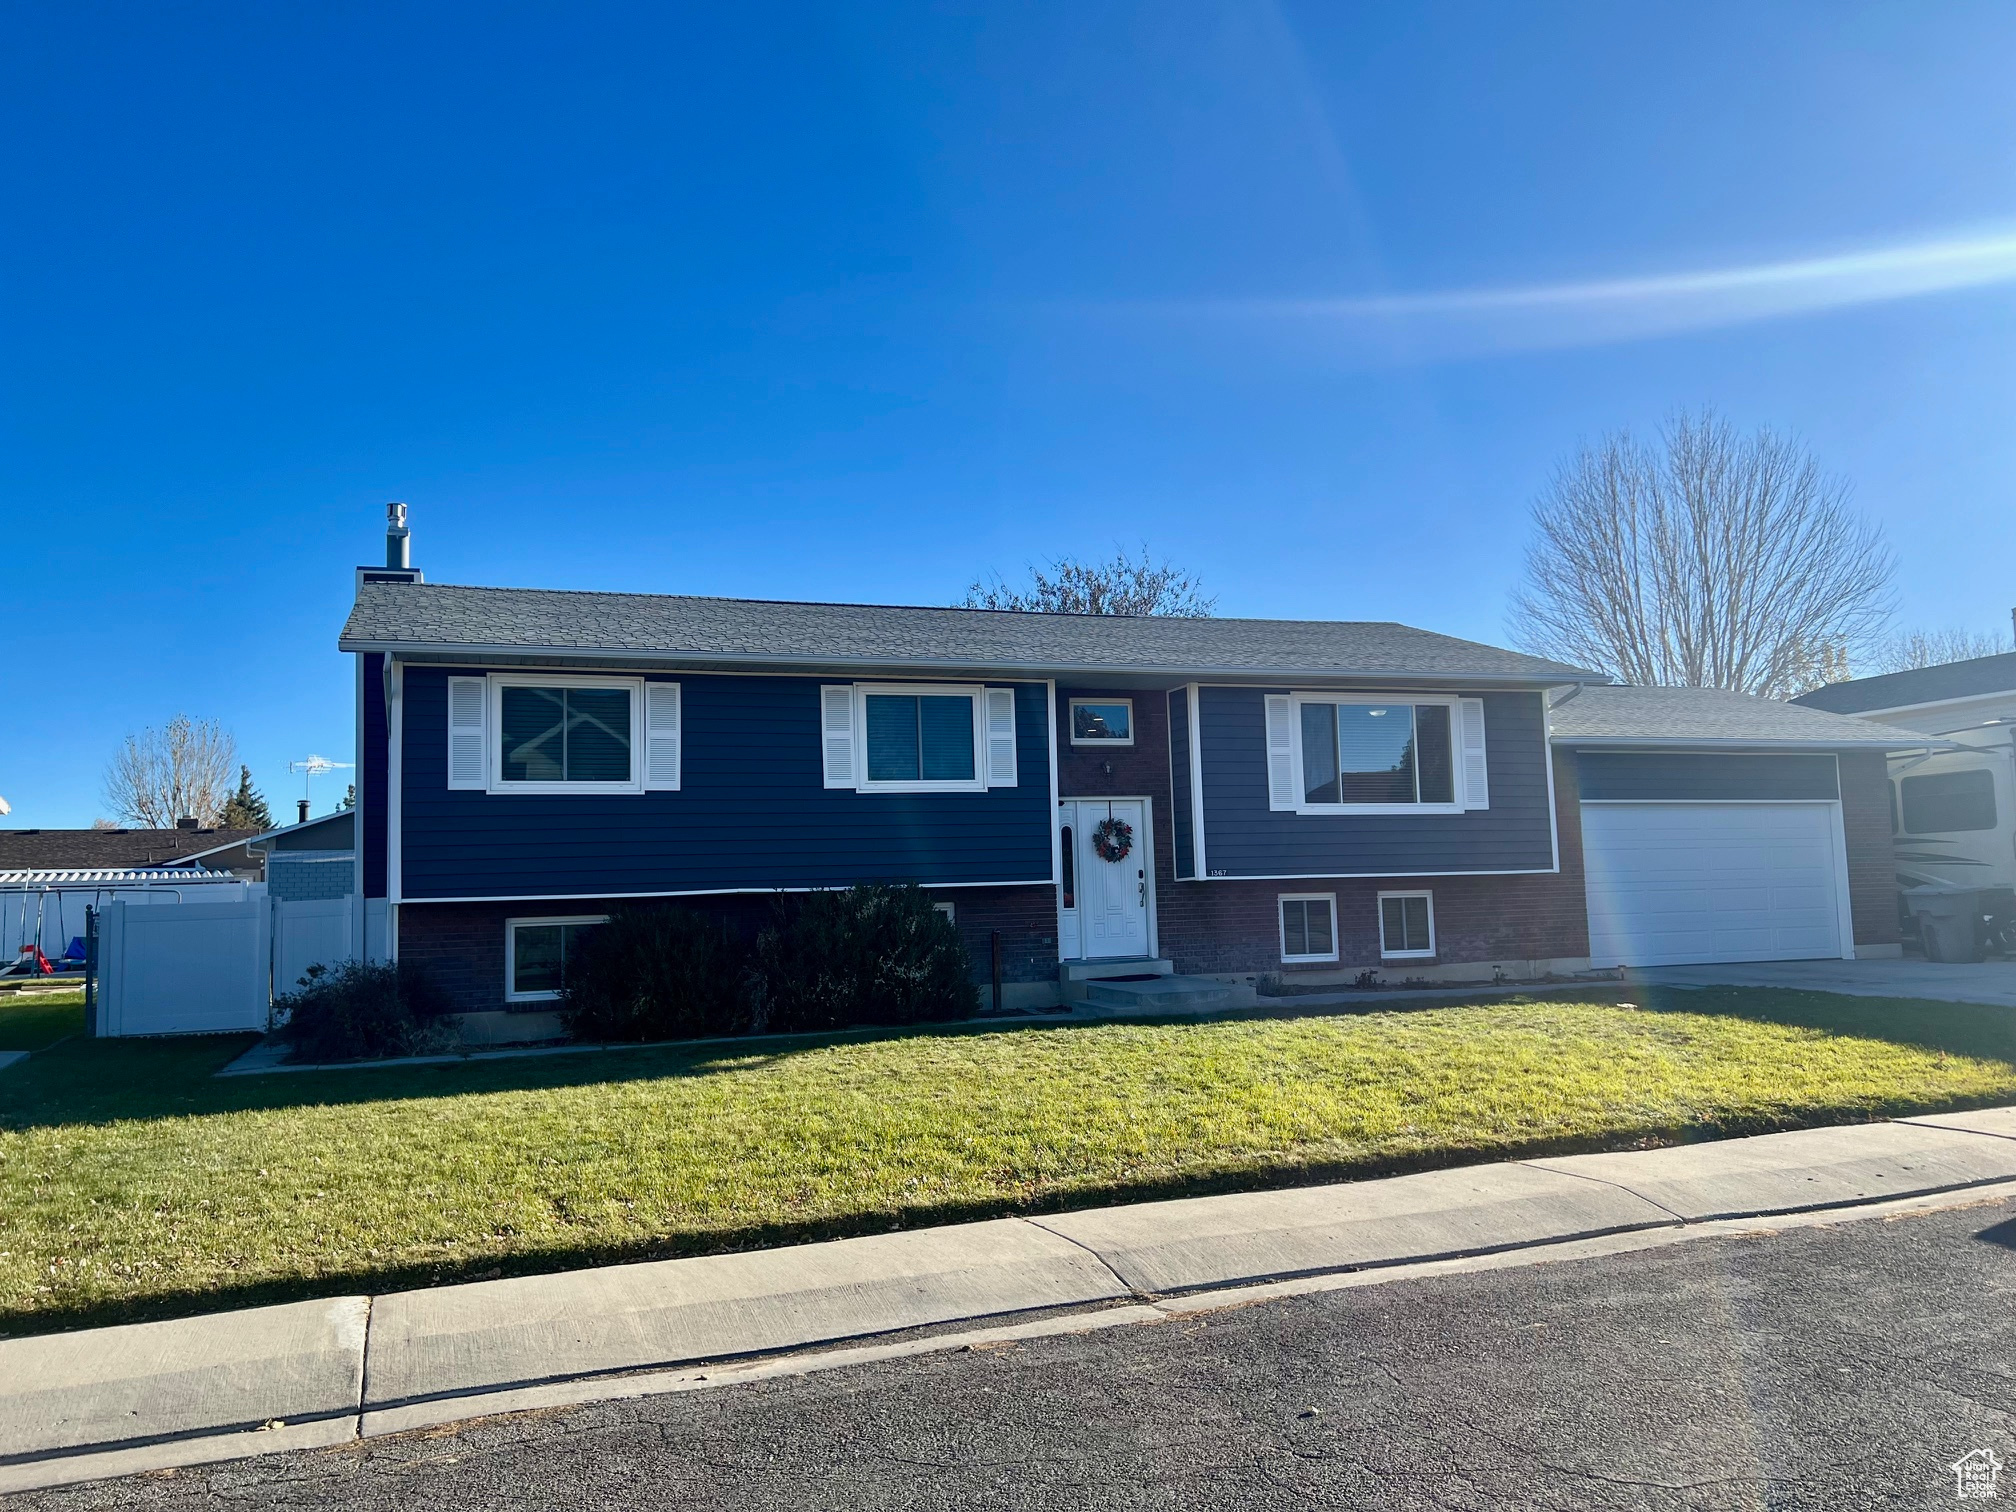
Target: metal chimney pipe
302	803
398	539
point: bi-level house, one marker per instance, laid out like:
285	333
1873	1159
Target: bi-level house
1087	796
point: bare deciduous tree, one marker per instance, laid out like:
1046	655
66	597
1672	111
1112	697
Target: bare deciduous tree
1935	648
182	771
1124	585
1711	561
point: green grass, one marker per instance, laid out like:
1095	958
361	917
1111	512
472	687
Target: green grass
134	1184
36	1020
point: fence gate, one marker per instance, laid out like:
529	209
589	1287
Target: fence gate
309	932
183	968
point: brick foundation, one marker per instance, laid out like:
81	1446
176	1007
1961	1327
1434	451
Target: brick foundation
461	945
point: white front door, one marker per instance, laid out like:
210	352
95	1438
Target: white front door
1105	904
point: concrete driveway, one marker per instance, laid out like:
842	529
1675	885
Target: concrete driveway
1991	982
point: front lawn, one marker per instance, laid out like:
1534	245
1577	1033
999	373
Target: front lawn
133	1183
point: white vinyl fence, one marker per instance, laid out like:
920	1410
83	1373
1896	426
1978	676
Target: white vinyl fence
309	932
182	968
210	968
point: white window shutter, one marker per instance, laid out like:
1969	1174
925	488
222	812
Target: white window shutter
1280	752
661	737
468	723
836	733
1001	737
1476	773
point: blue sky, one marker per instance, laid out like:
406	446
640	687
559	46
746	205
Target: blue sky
863	301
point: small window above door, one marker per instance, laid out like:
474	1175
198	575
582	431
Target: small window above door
1102	721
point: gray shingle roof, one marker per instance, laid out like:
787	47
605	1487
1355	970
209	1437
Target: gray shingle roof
1921	685
41	849
434	618
1709	716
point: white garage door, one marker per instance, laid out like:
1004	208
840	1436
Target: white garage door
1675	883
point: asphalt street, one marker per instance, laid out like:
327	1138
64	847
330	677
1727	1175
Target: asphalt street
1845	1366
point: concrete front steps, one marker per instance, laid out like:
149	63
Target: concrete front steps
1142	985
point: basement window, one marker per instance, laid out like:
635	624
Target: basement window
537	953
1406	925
1308	927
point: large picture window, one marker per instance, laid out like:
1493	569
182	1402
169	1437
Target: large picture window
920	737
1357	752
566	734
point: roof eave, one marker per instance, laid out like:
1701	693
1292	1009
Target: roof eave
1711	743
729	659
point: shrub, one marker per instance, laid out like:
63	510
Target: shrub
360	1010
868	955
658	973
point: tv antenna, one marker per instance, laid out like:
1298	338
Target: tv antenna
310	768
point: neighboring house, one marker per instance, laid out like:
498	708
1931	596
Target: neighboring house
1307	799
316	858
1720	827
118	849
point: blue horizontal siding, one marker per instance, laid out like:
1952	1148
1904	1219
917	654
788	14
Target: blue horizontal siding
1704	777
1244	838
1180	806
753	811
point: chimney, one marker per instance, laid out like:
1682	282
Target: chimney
302	804
185	822
398	539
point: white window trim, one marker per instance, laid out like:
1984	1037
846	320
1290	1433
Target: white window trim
1281	925
1407	955
974	691
499	681
1448	701
511	928
1071	723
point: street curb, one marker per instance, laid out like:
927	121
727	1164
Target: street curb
670	1326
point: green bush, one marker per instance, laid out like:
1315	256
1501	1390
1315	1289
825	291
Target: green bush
868	955
655	974
362	1011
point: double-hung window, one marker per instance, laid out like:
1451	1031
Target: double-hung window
1350	753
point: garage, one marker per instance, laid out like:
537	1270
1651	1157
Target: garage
1719	827
1676	883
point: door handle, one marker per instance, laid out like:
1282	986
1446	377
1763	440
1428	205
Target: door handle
1143	875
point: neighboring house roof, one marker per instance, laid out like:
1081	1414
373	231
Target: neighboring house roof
113	877
330	832
1978	677
439	620
41	849
1628	716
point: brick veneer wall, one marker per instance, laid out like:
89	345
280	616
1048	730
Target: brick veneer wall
461	945
1872	861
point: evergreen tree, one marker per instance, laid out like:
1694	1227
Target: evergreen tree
349	799
246	808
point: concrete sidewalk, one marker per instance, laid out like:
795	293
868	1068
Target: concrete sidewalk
119	1400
